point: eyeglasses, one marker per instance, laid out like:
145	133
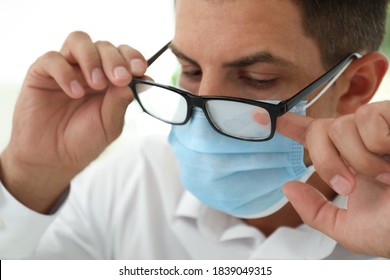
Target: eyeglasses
230	116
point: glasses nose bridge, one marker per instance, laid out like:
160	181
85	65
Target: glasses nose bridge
196	101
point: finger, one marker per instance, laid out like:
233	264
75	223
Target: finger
326	158
137	62
79	49
51	71
117	99
115	66
294	126
312	134
373	123
346	137
315	210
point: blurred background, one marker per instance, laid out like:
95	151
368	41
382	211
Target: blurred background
28	29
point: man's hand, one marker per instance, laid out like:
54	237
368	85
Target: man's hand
351	154
71	107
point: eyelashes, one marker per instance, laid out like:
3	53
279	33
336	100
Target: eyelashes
259	84
195	74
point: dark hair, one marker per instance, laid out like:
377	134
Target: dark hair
343	26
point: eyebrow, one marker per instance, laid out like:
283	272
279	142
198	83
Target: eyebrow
260	57
182	56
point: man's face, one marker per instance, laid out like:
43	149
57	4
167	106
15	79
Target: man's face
249	49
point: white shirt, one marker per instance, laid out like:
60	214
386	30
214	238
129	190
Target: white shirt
132	205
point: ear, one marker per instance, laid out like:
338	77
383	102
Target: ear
360	81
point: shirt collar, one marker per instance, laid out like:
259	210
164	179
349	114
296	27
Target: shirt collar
302	242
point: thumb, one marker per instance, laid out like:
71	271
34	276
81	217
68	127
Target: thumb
314	209
114	106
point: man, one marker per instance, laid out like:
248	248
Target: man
136	205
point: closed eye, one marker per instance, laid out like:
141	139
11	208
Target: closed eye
259	84
192	75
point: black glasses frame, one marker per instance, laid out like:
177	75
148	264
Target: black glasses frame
274	110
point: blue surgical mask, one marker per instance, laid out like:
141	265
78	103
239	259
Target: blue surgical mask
241	178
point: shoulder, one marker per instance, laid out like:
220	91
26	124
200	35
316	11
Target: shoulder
133	157
141	170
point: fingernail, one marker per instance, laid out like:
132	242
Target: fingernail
137	66
121	73
76	89
97	75
341	185
384	178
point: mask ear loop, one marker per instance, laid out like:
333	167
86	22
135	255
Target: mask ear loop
330	83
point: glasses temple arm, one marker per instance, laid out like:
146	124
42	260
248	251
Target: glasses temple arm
290	103
329	84
157	55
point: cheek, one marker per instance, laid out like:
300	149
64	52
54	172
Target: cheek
324	107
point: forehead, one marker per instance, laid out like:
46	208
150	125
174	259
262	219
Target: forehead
238	27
